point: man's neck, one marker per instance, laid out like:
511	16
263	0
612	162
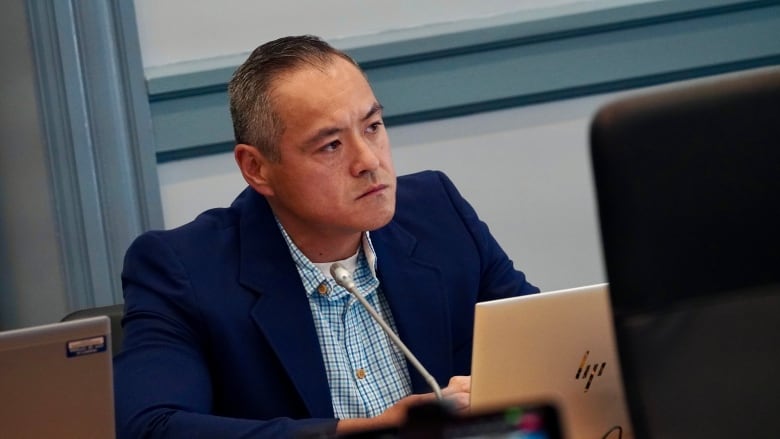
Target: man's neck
322	248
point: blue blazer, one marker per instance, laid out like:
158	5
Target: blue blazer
219	338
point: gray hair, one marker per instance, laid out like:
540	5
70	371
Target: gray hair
255	121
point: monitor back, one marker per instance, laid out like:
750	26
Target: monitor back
688	189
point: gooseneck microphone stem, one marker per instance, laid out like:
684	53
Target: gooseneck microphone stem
343	277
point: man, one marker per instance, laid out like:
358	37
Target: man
233	326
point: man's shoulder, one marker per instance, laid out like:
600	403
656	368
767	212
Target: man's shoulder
424	187
427	200
213	224
421	178
210	221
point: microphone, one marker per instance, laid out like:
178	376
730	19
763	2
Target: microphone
342	277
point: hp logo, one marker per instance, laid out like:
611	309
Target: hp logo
589	371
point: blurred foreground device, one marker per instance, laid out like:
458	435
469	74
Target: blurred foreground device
688	188
435	420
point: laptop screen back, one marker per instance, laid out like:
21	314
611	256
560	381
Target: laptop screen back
555	348
56	381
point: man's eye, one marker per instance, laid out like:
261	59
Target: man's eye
332	146
374	127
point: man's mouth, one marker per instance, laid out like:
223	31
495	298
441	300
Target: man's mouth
372	190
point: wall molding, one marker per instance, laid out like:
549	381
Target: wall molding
100	145
490	65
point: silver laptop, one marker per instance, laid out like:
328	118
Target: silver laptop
56	381
556	347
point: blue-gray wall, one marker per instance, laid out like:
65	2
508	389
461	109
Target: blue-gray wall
500	65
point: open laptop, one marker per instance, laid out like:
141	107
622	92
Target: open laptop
556	347
56	381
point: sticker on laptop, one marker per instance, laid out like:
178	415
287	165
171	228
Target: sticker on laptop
86	346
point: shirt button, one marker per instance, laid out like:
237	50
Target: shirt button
323	289
360	373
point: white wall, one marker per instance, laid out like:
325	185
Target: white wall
525	170
173	31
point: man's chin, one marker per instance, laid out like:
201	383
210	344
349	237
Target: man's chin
380	220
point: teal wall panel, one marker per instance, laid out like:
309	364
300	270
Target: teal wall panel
499	66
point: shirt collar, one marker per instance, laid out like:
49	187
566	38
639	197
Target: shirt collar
308	269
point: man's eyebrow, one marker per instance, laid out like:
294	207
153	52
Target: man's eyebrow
376	108
321	134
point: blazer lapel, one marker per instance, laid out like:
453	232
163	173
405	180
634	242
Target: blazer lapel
418	302
282	311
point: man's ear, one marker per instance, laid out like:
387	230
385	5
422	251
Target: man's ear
254	167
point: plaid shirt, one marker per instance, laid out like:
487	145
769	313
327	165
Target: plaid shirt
366	372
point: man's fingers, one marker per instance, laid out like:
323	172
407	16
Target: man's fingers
458	384
459	402
458	393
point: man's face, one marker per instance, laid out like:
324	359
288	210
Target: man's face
336	175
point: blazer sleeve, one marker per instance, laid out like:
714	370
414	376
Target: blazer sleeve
162	381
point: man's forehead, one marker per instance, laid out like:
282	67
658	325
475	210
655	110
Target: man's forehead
322	69
322	88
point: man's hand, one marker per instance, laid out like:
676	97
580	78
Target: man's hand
457	394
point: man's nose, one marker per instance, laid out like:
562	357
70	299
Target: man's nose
365	158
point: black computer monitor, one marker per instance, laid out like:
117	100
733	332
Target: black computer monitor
688	188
